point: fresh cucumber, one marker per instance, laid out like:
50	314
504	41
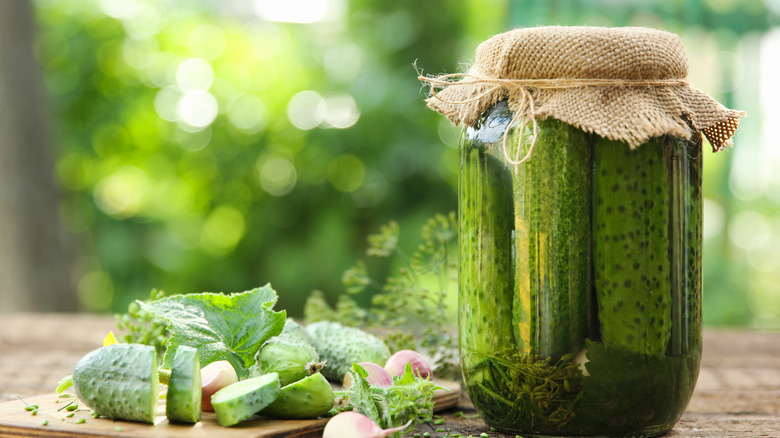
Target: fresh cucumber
119	381
291	357
239	401
309	397
183	403
552	242
294	330
340	345
631	211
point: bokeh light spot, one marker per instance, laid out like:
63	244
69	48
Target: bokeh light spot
341	111
197	108
222	230
122	193
96	291
294	11
166	102
277	175
747	229
194	74
120	9
248	114
193	140
306	110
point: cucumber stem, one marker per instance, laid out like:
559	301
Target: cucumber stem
64	383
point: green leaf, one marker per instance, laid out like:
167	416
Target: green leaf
409	400
221	326
360	396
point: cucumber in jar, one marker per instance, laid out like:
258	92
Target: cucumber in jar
631	211
486	220
552	242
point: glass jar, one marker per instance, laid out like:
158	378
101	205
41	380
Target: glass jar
579	279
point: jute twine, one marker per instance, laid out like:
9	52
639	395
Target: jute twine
626	84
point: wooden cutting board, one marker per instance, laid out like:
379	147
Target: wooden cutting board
16	422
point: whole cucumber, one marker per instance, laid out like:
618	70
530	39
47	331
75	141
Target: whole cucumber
631	211
552	242
119	381
340	345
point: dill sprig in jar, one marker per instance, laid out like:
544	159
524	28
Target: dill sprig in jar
580	220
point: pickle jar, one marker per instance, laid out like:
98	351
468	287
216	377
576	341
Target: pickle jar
580	268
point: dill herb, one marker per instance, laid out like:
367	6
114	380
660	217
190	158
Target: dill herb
410	306
525	388
141	327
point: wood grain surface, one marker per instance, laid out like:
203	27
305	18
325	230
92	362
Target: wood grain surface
737	394
16	422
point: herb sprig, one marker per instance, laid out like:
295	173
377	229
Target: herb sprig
404	303
142	327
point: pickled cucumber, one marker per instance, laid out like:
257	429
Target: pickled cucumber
552	243
631	211
486	221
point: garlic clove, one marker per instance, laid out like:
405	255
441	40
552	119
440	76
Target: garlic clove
214	377
377	376
396	365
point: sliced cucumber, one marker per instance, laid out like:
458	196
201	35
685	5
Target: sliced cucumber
183	403
309	397
239	401
119	381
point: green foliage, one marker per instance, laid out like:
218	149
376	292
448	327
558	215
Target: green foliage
158	199
222	327
405	308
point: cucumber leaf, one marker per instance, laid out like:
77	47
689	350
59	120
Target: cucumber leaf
360	397
221	326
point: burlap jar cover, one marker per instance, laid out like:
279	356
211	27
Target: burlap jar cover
626	84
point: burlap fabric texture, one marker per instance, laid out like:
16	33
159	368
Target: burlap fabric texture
625	84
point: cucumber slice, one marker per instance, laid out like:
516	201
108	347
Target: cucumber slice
239	401
183	403
119	381
309	397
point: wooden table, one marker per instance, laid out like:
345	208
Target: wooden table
737	395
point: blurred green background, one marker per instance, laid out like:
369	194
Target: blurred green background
216	146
